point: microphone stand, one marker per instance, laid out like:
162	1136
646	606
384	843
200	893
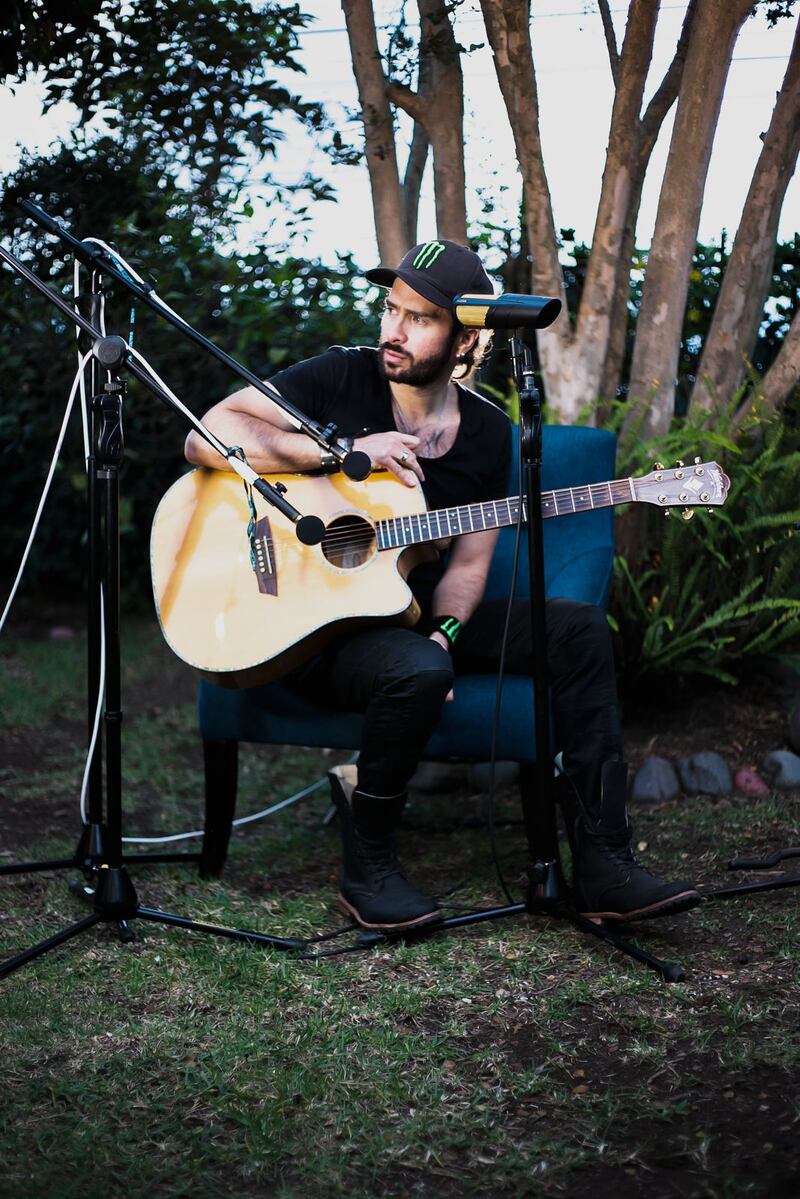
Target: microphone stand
547	892
99	851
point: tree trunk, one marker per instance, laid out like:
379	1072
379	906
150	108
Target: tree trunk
783	376
412	180
507	26
745	285
655	358
619	196
384	178
445	122
649	128
438	105
418	152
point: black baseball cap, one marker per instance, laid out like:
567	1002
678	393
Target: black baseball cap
438	271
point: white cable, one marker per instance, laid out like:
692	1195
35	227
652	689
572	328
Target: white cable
101	693
84	403
156	298
45	490
276	807
243	469
76	287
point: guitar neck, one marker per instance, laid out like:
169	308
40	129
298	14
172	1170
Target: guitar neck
497	514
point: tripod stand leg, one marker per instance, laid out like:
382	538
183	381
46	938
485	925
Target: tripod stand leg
671	972
766	884
66	934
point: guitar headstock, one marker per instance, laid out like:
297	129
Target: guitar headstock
702	483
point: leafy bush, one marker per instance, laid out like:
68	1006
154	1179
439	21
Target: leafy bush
712	594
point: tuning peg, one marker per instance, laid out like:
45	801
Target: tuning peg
678	462
658	466
710	511
687	513
668	512
697	460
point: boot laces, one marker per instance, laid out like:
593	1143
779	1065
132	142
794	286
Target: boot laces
380	857
618	849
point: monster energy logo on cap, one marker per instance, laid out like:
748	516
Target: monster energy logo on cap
428	255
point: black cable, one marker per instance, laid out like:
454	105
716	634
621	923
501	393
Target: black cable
498	695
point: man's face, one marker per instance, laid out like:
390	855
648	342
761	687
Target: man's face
418	344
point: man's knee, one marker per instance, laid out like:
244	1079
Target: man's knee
417	668
574	619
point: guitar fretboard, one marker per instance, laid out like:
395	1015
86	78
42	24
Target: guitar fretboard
496	514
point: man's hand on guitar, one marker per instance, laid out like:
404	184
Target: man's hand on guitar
395	452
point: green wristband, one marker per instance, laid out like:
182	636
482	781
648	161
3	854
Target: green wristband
449	626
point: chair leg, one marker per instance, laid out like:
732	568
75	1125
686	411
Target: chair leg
221	762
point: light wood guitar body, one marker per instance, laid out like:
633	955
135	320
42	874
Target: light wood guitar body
241	626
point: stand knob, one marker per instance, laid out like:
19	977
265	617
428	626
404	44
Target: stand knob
110	352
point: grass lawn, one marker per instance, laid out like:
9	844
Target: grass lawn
508	1059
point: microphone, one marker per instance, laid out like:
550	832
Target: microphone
509	311
357	465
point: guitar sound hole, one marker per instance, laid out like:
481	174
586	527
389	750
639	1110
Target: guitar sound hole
349	541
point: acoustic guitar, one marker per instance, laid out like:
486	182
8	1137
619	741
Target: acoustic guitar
243	603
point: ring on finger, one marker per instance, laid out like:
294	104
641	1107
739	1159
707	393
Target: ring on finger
403	457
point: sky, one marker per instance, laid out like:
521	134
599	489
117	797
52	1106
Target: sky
576	95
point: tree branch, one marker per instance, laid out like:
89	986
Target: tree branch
381	153
667	91
611	38
407	99
745	285
782	377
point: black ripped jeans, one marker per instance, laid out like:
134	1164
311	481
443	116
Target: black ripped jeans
399	680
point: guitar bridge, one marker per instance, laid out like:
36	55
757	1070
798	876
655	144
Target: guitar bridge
264	564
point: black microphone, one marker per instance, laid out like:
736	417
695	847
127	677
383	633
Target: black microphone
357	465
506	312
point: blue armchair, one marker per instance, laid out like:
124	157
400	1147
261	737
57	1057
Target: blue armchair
578	553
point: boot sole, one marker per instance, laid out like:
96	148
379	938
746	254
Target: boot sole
428	918
667	907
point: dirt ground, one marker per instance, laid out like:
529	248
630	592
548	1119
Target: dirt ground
708	1117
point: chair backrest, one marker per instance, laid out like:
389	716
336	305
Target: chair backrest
578	549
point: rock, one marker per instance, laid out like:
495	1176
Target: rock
750	783
705	773
505	773
655	781
438	777
794	727
782	768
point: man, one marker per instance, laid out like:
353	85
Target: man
401	405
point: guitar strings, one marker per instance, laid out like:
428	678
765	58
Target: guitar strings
358	538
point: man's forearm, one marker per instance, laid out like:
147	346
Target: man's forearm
267	448
459	592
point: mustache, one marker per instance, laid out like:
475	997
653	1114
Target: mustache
387	345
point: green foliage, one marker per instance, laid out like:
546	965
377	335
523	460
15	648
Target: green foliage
265	313
189	87
715	593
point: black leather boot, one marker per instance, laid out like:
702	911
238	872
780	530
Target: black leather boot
608	882
374	889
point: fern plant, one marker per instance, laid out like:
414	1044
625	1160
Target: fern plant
715	592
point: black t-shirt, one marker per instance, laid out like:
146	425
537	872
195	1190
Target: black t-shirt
345	386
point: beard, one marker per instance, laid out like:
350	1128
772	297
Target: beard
416	372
